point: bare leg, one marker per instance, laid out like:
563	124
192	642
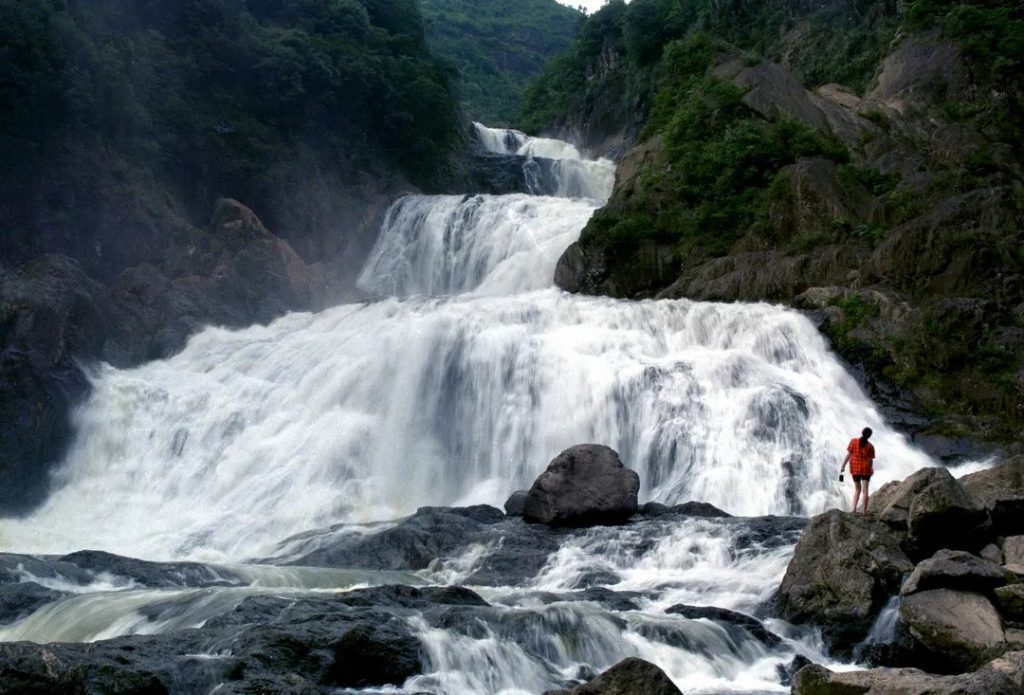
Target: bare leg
865	483
856	495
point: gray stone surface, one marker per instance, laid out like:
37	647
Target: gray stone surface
956	569
843	570
963	628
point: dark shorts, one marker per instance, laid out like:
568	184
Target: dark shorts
858	478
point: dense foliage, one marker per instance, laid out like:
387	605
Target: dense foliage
497	48
154	101
720	158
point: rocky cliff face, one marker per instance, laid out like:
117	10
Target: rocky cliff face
906	249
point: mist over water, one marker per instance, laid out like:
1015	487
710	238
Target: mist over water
457	384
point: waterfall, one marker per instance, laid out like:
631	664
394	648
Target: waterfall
458	388
457	383
551	167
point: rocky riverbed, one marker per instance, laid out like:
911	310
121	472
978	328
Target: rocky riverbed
943	557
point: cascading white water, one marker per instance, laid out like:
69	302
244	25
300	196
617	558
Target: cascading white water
496	245
368	411
458	384
551	167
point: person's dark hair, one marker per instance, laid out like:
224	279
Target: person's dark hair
865	435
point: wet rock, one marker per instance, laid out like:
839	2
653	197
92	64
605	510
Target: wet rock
30	669
735	622
843	570
961	628
482	513
516	502
413	544
583	486
698	509
20	600
1000	490
374	655
16	568
628	677
768	532
956	569
152	574
498	174
612	600
789	671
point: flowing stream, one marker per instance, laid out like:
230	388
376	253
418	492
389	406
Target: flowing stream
456	384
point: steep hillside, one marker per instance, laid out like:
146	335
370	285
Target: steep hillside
858	160
141	114
497	47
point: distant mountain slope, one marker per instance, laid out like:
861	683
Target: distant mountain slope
497	47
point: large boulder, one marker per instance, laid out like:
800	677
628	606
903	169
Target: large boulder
584	485
962	629
935	510
956	569
843	571
1000	490
628	677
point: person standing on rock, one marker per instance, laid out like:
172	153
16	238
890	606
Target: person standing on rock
860	454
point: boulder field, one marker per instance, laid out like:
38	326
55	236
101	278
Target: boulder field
950	552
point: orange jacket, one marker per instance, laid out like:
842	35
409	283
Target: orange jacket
861	459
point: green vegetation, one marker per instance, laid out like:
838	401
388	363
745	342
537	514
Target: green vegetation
991	35
821	42
187	100
715	177
497	47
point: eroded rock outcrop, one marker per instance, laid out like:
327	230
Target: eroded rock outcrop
843	570
53	316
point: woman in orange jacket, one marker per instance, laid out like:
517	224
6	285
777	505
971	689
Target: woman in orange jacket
860	454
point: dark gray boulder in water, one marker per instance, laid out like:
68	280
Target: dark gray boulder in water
739	625
516	502
628	677
584	485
